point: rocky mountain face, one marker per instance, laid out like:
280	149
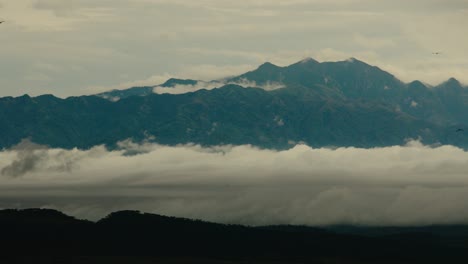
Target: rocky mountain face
329	104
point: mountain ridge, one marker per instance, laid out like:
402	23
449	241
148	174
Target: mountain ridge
347	103
311	73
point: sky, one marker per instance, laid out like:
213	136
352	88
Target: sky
75	47
406	185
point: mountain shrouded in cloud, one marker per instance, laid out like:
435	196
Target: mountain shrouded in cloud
345	103
311	143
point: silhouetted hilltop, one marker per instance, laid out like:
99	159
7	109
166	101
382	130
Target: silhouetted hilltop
38	232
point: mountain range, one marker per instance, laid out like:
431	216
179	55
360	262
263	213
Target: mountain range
328	104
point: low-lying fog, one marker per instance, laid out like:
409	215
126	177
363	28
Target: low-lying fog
399	185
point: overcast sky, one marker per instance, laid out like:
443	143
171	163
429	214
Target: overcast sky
73	47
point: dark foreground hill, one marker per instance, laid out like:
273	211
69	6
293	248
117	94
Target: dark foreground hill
47	236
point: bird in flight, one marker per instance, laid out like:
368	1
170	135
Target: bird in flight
436	53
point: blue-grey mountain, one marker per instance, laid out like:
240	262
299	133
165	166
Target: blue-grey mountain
347	103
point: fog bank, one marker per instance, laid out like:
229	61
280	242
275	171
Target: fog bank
399	185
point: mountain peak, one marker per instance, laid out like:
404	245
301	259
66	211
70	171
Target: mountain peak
417	83
308	60
267	65
304	62
452	82
354	60
349	62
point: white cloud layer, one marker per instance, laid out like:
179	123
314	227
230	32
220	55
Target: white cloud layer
399	185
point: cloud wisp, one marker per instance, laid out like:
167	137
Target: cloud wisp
30	157
399	185
181	89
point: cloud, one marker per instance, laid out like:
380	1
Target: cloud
180	89
53	15
31	157
268	86
150	81
107	39
205	72
373	42
399	185
209	76
28	155
39	77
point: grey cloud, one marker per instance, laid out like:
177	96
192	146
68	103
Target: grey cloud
180	89
61	8
27	161
400	185
72	7
100	38
31	157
